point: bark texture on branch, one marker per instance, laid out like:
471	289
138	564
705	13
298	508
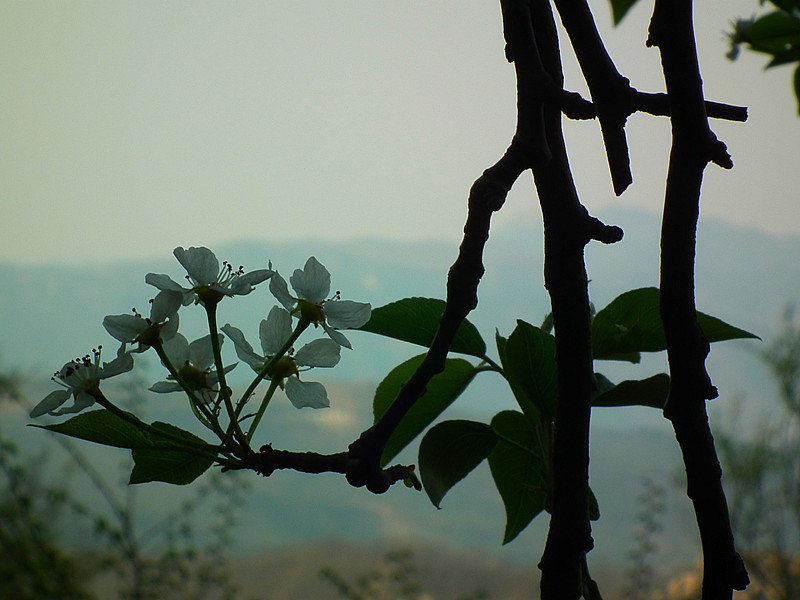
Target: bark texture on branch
693	147
567	229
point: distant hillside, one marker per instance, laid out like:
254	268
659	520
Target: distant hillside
48	315
289	508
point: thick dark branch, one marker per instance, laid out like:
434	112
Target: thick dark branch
567	229
611	92
486	196
268	460
693	147
533	84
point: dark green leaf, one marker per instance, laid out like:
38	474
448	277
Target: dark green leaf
594	508
103	427
169	464
787	5
631	324
449	451
645	392
416	320
603	384
529	363
520	475
790	55
774	32
620	8
441	391
719	331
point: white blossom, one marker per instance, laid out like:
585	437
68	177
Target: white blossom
80	379
312	284
194	363
274	331
208	281
162	324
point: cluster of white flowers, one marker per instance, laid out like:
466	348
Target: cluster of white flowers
194	362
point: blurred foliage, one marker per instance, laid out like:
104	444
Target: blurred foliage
60	542
762	478
393	579
642	577
775	33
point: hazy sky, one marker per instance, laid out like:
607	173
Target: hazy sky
128	128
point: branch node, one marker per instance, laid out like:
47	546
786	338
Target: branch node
719	154
606	234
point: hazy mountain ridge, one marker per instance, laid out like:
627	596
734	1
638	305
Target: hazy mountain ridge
50	315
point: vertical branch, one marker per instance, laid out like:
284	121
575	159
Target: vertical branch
693	147
567	229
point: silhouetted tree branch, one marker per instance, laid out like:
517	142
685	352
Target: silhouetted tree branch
693	147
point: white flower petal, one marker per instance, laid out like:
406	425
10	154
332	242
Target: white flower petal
313	283
165	387
166	283
122	364
165	305
124	328
82	400
319	353
279	289
177	349
169	329
346	314
243	348
304	394
201	352
51	402
337	337
200	263
244	285
275	330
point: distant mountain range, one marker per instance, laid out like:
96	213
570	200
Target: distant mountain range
49	314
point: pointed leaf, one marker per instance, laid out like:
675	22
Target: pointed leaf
441	391
594	507
620	8
168	464
528	358
644	392
716	330
631	324
520	475
103	427
416	320
449	451
604	384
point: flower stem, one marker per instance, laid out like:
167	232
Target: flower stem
211	311
273	385
199	409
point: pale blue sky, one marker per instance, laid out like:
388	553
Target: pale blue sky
129	128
